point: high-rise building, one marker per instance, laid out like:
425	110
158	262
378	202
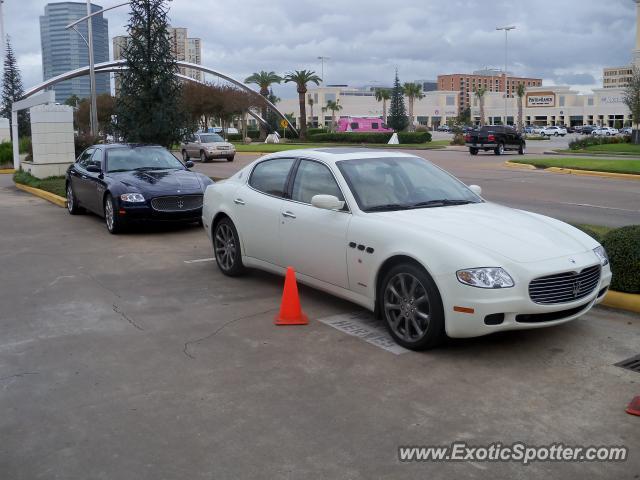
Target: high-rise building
490	80
64	50
183	48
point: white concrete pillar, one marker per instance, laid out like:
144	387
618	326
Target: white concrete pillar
52	140
16	141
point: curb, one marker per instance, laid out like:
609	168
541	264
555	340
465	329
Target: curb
573	171
622	301
51	197
7	171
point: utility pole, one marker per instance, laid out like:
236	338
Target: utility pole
92	74
506	64
322	59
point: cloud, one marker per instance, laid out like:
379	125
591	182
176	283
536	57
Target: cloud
566	43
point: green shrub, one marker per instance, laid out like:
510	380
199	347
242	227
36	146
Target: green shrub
458	139
370	137
237	137
84	141
25	145
6	153
623	247
315	131
590	140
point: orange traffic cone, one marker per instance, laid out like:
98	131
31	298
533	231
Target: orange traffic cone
634	407
290	311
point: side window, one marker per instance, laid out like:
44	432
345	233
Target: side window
85	157
270	176
374	126
96	160
354	126
314	178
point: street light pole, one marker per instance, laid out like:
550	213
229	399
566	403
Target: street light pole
92	74
322	59
506	64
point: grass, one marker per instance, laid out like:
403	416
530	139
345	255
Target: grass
608	149
49	184
599	229
281	147
613	166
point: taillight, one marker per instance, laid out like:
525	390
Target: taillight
467	138
491	138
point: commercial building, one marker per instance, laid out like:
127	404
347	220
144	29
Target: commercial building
183	49
64	50
619	77
490	80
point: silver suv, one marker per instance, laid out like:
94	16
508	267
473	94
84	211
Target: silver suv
207	146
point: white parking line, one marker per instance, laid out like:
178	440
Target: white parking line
200	260
362	324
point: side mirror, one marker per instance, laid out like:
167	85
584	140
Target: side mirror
476	189
94	169
189	164
327	202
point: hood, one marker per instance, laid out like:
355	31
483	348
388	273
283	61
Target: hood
161	181
515	234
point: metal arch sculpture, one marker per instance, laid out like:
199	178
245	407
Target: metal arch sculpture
119	65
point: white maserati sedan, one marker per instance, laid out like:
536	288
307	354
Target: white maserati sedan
401	237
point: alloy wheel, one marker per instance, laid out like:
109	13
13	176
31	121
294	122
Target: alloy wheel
69	198
224	245
108	214
407	307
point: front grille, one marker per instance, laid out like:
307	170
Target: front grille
177	203
550	316
564	287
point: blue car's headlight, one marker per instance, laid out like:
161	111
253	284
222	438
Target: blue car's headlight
601	253
132	197
491	277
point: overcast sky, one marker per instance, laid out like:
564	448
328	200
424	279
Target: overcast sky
563	41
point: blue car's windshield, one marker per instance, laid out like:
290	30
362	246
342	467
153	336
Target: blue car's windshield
385	184
141	158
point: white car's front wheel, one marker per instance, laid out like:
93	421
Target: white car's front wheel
226	247
411	306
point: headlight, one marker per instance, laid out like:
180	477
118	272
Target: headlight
601	253
132	197
492	277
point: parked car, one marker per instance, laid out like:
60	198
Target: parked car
125	183
207	146
444	128
405	239
554	131
588	129
570	129
529	129
578	128
537	130
604	132
626	131
495	138
362	125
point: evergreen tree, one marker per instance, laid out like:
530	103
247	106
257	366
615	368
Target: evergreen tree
148	107
12	90
397	118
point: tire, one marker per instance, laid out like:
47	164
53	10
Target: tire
226	248
499	150
230	159
473	151
111	220
414	314
72	201
522	149
203	157
185	156
555	134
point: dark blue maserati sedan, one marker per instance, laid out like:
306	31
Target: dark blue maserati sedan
128	182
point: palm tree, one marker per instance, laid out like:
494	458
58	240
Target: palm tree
520	91
383	95
412	91
301	78
480	95
334	106
311	103
264	80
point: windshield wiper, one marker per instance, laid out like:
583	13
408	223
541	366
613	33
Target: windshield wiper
150	168
387	207
444	202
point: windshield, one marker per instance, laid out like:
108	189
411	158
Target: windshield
385	184
211	138
141	158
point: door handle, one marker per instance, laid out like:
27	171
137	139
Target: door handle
239	201
288	214
84	176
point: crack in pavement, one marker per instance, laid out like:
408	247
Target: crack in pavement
18	375
185	349
124	315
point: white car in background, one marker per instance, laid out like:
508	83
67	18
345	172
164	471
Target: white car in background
605	132
554	131
537	130
399	236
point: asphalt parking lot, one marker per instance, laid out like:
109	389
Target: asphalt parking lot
121	357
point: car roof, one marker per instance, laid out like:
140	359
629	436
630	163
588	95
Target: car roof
337	154
128	145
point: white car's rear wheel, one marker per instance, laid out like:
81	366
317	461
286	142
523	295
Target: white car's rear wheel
412	308
226	247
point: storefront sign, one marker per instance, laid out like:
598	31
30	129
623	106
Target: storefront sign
611	100
544	99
